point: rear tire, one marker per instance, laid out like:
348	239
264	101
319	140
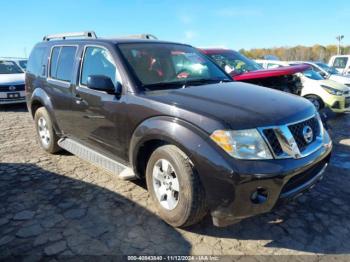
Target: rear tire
177	191
44	129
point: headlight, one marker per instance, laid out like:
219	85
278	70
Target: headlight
332	91
242	144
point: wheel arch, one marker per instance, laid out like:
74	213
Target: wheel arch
41	99
158	131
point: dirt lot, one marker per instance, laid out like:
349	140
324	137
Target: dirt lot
61	205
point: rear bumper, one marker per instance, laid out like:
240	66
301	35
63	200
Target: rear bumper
258	193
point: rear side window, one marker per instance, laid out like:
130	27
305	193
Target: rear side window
36	61
62	62
340	62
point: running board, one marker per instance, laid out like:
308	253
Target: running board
87	154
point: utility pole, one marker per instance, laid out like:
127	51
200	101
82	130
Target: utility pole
339	38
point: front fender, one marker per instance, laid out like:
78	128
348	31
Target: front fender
40	96
209	160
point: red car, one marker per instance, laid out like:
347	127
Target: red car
243	69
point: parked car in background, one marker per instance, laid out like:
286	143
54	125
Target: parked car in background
166	113
341	63
21	62
11	82
244	69
321	92
327	72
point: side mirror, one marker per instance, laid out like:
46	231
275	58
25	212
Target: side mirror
103	83
323	74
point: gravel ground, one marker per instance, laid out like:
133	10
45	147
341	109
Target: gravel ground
61	205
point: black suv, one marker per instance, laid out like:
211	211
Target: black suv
164	112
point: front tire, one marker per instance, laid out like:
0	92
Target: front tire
316	101
174	187
45	132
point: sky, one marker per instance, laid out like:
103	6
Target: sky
232	24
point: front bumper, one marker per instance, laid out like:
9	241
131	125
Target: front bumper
255	192
4	98
339	104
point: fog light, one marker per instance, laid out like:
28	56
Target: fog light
259	196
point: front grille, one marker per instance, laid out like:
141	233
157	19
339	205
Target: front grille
273	141
297	132
6	88
304	177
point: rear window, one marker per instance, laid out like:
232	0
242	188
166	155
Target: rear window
62	62
36	61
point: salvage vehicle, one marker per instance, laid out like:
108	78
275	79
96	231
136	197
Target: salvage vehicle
341	63
11	82
244	69
166	113
328	72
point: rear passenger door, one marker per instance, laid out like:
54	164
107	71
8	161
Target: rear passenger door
60	77
100	117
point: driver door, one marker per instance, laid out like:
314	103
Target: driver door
99	116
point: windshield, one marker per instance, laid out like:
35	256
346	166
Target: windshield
235	63
312	75
9	67
23	64
329	69
162	66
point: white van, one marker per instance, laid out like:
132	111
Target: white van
341	63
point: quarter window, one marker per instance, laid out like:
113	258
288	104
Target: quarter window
62	62
36	61
97	61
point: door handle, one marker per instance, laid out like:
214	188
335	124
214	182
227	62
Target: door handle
79	100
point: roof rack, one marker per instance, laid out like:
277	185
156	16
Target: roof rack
63	36
142	36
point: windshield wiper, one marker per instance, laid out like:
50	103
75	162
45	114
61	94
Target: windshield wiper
184	84
201	81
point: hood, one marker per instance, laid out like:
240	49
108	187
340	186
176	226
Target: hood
340	78
12	79
238	105
333	84
265	73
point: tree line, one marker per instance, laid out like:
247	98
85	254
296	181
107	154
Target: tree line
297	53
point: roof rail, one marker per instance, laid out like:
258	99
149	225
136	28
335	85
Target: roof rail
63	36
142	36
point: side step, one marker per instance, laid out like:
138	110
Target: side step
122	171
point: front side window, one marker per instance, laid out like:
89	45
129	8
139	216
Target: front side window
36	61
9	67
163	66
62	62
97	61
329	69
340	62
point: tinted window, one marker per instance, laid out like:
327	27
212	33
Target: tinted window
36	61
62	68
97	61
340	62
54	61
